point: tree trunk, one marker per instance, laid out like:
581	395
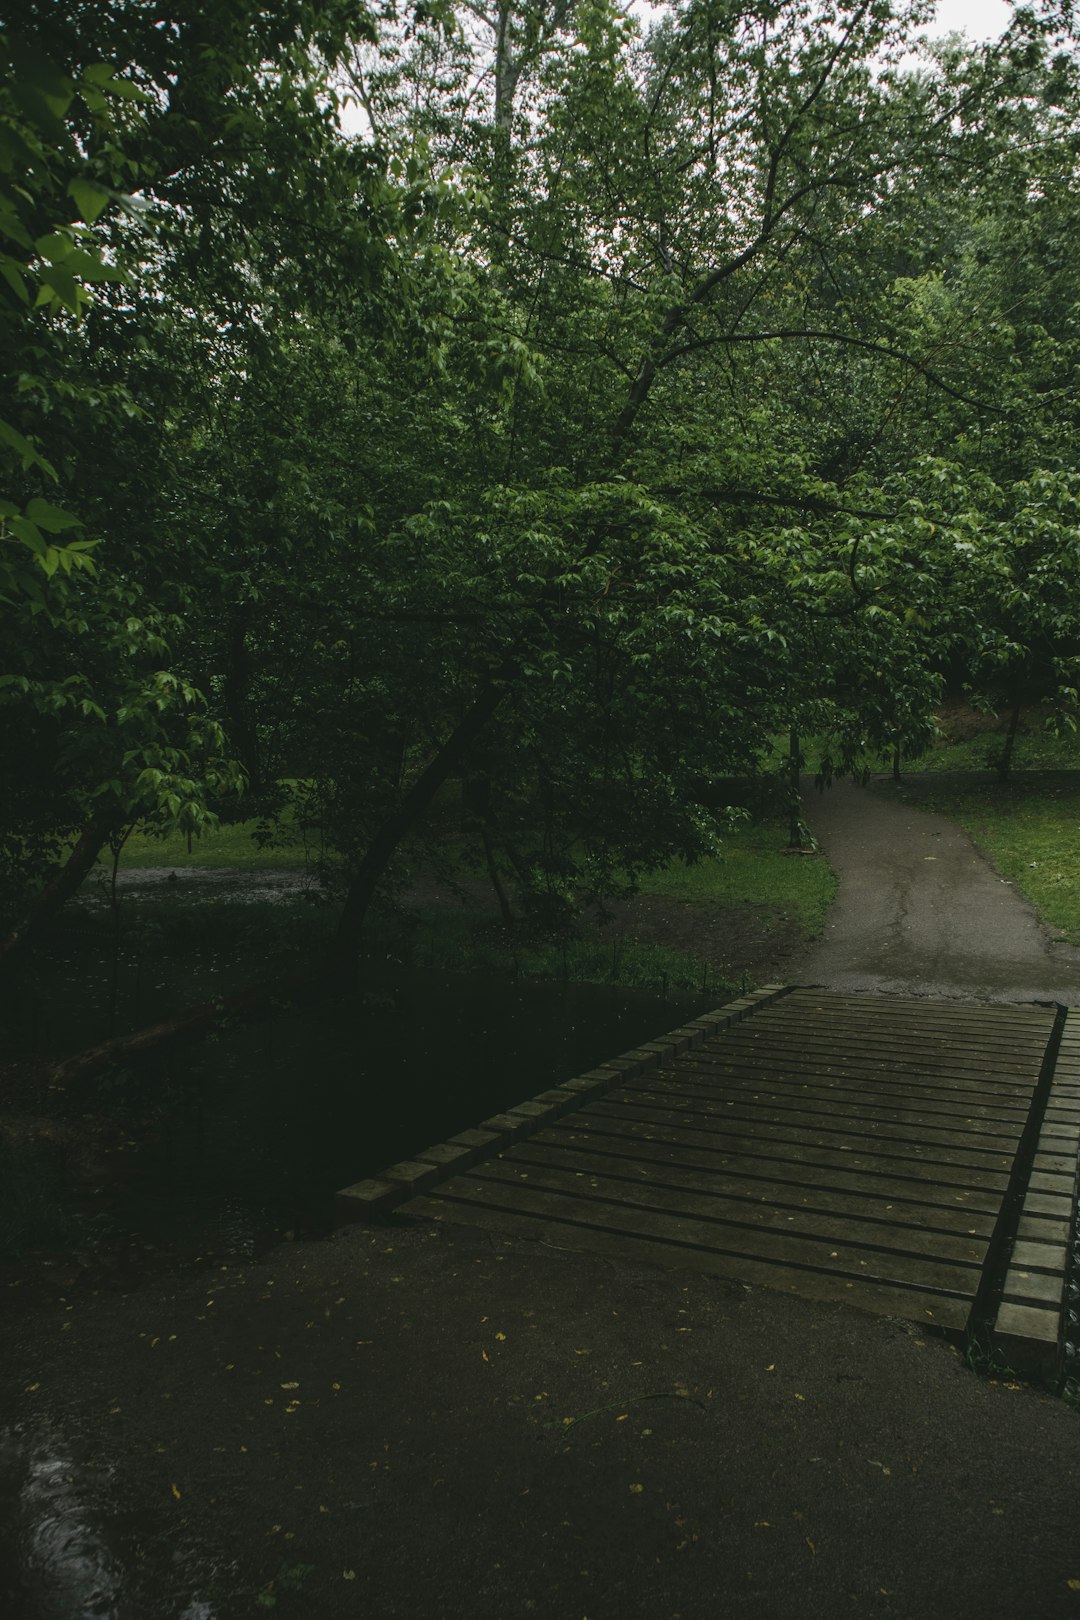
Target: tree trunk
1006	758
505	911
60	887
795	826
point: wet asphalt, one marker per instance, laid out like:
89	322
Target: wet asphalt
921	912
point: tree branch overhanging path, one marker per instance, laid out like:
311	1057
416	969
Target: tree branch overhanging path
637	413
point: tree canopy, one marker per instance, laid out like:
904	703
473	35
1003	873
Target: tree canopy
612	398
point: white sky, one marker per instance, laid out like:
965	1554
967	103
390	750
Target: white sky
979	19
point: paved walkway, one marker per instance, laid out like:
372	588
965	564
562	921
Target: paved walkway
921	913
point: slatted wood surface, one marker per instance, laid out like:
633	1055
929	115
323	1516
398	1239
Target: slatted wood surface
840	1146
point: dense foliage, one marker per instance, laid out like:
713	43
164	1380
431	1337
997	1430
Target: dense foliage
606	403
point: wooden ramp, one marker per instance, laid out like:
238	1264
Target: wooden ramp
842	1147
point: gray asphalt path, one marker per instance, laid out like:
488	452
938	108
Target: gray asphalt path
921	912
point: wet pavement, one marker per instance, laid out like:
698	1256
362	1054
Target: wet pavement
408	1422
920	912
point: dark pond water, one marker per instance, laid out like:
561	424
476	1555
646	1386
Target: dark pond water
270	1120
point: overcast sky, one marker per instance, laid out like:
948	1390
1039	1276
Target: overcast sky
980	19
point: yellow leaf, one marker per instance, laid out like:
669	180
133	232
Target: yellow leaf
1074	1586
622	1417
800	1397
176	1493
293	1385
30	1388
636	1490
501	1337
811	1546
348	1574
484	1354
761	1524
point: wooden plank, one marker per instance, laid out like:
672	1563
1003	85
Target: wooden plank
948	1030
973	1021
837	1092
892	1057
794	1103
901	1216
734	1131
939	1310
939	1206
894	1071
684	1231
962	1177
732	1219
884	1041
719	1067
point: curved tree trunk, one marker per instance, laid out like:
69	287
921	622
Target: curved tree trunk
65	881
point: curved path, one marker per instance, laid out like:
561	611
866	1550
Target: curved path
921	912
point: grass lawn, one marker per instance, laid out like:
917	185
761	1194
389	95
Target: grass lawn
752	869
225	846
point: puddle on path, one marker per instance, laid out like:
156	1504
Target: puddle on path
66	1554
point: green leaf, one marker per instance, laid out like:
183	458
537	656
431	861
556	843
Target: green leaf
53	519
29	533
15	280
30	457
56	247
89	199
60	284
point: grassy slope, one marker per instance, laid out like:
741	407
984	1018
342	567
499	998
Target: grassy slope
752	870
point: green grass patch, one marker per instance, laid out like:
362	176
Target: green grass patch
1030	828
1034	751
235	845
752	869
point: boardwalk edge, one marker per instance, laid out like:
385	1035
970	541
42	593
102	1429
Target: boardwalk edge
1029	1328
400	1182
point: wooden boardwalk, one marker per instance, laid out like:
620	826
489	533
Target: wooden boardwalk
839	1146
